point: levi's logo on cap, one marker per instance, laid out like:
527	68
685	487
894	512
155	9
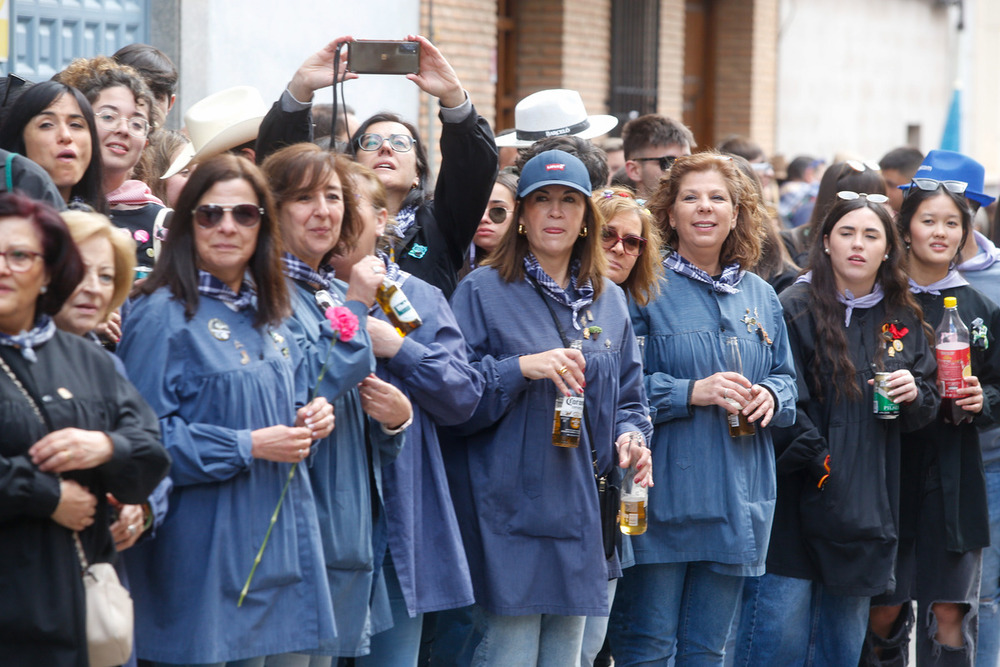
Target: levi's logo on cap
555	166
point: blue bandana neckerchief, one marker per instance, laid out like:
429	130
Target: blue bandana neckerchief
953	279
585	291
405	219
726	284
298	270
211	286
26	341
847	298
987	256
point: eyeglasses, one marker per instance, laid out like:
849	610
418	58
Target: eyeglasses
931	185
862	165
208	216
498	214
109	120
19	261
401	143
762	167
631	244
666	161
876	198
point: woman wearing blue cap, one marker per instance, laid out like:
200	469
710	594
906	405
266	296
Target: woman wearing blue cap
710	524
528	510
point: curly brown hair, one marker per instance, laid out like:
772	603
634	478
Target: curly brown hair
92	75
643	282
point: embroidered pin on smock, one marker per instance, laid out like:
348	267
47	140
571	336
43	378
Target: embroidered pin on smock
980	334
279	342
752	323
64	393
219	329
892	333
417	251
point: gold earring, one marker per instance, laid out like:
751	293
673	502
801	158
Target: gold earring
520	229
583	232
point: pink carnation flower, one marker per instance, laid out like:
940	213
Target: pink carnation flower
343	321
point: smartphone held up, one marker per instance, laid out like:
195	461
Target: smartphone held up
366	56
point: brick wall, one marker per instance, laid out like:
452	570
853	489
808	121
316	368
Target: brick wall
587	52
539	46
670	74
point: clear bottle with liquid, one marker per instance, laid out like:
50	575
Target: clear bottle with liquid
632	518
954	361
739	426
401	313
568	417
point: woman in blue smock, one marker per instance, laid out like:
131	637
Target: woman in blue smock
528	510
710	520
318	215
206	346
425	567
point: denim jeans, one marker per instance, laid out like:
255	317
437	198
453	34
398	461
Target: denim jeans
543	640
595	630
249	662
679	610
787	621
988	649
399	646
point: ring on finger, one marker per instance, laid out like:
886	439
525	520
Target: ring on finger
725	394
562	370
131	530
302	453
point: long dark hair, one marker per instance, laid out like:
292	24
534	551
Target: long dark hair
33	101
831	336
419	194
177	266
915	196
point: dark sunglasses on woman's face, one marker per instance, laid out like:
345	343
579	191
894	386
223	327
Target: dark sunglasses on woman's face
208	216
631	244
498	214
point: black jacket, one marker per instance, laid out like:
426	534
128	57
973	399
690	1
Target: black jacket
846	535
41	593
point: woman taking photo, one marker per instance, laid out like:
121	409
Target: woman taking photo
73	431
944	520
53	125
835	528
318	214
206	346
710	520
542	292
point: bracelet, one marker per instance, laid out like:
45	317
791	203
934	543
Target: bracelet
147	514
399	429
824	478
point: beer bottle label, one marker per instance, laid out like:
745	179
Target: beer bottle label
401	306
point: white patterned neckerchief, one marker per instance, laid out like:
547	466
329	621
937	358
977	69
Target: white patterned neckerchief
726	284
211	286
953	279
26	341
298	270
552	288
405	219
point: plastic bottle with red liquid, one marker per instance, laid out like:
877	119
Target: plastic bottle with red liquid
954	362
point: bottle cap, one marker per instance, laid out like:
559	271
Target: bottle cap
950	302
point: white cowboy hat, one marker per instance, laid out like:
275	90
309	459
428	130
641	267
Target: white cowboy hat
219	122
554	113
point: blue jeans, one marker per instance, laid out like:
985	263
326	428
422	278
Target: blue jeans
677	608
398	646
988	649
543	640
787	621
595	630
249	662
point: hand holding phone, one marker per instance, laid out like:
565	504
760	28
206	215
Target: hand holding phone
383	57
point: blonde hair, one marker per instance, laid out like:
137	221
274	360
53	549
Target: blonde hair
643	281
85	225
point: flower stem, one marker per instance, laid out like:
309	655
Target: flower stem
274	518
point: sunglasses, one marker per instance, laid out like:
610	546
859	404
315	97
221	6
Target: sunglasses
208	216
631	244
863	165
931	185
401	143
498	214
665	162
876	198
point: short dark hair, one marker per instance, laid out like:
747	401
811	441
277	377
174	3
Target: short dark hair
153	66
60	254
654	130
419	193
177	265
593	157
797	168
904	159
745	148
33	101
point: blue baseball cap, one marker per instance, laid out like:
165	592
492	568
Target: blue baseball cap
944	165
553	168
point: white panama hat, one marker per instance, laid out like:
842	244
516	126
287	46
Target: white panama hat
557	112
219	122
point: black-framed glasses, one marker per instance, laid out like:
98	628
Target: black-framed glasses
401	143
875	198
110	121
931	185
631	244
19	260
498	214
666	162
208	216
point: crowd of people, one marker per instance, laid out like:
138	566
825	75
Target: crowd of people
320	408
